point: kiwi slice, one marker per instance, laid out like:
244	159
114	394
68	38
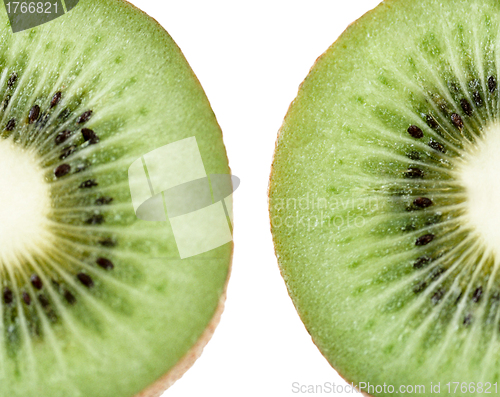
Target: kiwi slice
384	198
93	300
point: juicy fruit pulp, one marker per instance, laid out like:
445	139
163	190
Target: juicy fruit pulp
94	301
384	196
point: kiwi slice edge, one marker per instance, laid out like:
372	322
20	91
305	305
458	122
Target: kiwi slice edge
108	308
358	196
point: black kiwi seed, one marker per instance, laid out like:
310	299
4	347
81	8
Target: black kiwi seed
420	287
43	120
415	132
437	146
107	242
11	124
62	136
477	98
6	102
36	281
414	172
8	297
105	263
468	319
84	117
34	114
422	202
457	120
64	114
85	279
55	99
12	80
431	122
453	87
89	135
413	155
62	170
104	200
26	298
43	300
436	273
67	152
96	219
443	105
70	298
476	296
438	295
433	219
466	107
492	84
421	262
424	240
88	184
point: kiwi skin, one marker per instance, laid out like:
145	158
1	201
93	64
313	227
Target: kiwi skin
346	32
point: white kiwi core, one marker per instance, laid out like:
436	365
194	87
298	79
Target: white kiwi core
480	175
24	203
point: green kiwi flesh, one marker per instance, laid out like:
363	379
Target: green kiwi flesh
384	198
93	301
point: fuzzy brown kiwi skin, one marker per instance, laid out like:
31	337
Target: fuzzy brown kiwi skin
174	374
346	32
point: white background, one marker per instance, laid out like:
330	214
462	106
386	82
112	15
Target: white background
250	58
